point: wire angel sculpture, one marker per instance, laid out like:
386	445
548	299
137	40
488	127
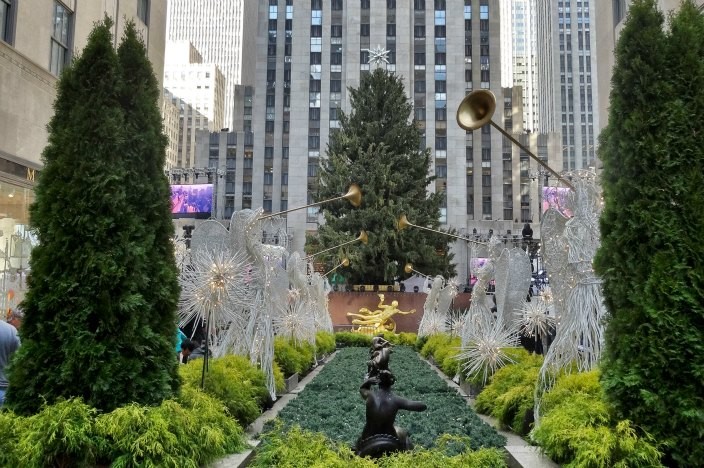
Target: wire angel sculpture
319	290
578	301
432	322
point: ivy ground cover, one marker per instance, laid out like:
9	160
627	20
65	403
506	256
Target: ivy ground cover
331	403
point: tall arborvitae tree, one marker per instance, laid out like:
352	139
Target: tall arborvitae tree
149	195
651	255
84	334
379	147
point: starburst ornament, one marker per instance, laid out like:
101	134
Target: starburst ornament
535	321
485	351
378	55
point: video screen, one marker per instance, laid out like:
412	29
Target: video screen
557	197
191	200
475	264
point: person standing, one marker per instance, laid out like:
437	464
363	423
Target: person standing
9	343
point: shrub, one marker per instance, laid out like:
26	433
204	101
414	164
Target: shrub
234	381
293	358
349	339
401	339
577	429
510	395
324	343
61	434
434	342
420	342
187	433
279	381
297	447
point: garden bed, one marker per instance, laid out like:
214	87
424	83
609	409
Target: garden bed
331	404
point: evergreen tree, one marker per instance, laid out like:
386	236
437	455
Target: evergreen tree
379	148
651	253
150	197
84	333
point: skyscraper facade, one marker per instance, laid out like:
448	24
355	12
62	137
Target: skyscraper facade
220	30
309	52
519	55
567	85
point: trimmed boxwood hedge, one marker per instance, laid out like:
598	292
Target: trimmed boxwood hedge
331	403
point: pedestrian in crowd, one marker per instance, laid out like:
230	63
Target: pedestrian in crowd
187	348
15	317
9	343
197	353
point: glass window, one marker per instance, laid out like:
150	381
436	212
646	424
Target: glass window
6	12
60	38
143	11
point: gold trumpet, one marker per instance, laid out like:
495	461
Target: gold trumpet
403	223
476	110
408	268
353	195
344	263
362	237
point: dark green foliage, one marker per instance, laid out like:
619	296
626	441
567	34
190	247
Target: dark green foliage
345	339
331	403
84	333
510	395
150	196
378	148
234	381
577	429
296	447
651	253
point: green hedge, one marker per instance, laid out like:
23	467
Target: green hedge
349	339
234	381
510	394
443	349
577	428
298	448
293	358
324	343
331	404
188	432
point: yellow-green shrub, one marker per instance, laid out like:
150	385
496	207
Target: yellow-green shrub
433	343
187	433
62	434
510	395
279	381
577	430
349	339
297	448
324	343
234	381
293	358
401	339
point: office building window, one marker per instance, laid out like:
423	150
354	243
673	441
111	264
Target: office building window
7	10
143	11
60	38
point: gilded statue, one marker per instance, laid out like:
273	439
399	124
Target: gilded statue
378	321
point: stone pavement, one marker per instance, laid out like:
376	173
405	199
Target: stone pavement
520	454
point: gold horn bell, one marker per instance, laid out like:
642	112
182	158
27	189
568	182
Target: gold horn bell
476	109
354	195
